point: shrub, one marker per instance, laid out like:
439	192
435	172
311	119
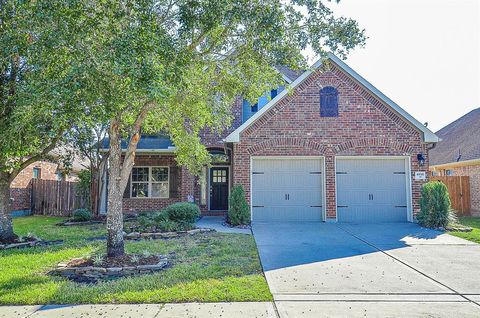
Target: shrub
82	215
183	212
238	212
434	205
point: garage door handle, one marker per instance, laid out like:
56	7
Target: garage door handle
400	206
342	206
258	206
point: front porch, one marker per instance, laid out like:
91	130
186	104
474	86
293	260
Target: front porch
157	181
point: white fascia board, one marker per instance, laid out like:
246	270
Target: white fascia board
428	135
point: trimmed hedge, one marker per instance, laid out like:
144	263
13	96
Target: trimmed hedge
82	215
435	208
182	212
239	211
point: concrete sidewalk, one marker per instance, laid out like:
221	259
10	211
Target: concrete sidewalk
279	309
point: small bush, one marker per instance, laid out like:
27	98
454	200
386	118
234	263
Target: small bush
238	212
183	212
434	205
82	215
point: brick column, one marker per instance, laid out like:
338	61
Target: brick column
187	186
330	188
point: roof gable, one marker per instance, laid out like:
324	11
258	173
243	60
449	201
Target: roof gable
460	141
428	136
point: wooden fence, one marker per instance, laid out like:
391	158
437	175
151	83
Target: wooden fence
56	198
459	190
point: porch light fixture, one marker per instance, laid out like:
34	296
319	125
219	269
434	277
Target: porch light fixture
421	159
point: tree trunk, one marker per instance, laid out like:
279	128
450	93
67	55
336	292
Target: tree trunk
6	226
115	244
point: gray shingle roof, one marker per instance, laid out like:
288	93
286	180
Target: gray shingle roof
158	142
289	73
460	140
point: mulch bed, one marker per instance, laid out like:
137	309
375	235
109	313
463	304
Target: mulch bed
84	270
164	235
125	260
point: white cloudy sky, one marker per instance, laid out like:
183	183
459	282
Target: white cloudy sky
423	54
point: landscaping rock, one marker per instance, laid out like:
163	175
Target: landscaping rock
91	274
29	244
72	223
164	235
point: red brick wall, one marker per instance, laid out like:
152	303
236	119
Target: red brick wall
185	185
365	126
20	187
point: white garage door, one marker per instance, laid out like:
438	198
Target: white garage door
371	190
287	189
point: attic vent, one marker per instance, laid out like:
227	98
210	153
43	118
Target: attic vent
329	102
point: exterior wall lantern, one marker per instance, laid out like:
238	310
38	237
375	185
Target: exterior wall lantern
421	159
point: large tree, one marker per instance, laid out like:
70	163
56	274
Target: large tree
44	76
176	66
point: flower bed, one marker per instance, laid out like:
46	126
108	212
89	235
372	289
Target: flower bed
86	270
163	235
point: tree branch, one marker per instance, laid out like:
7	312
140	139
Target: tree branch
36	157
132	144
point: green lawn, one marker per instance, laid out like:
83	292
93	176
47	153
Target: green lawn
208	267
473	222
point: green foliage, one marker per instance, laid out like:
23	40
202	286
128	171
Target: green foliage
434	205
183	212
83	186
238	212
176	217
82	215
209	267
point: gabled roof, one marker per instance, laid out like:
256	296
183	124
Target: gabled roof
428	136
156	143
288	74
460	140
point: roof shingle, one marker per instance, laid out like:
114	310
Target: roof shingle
460	140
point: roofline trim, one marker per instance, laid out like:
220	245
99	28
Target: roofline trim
470	162
168	150
428	135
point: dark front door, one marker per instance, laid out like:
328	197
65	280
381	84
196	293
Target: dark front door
219	188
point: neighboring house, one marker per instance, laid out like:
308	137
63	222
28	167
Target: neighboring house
20	189
458	154
330	148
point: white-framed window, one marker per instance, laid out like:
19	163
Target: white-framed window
150	182
37	173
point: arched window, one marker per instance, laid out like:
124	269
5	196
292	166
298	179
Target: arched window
329	102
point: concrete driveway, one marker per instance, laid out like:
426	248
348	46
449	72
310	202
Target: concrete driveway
392	270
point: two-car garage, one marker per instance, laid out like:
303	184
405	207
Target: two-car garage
368	189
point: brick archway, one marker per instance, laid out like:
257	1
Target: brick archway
293	142
374	142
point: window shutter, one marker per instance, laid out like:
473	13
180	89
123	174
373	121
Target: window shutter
173	182
126	193
329	102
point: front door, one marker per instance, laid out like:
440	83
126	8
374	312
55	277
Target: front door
219	188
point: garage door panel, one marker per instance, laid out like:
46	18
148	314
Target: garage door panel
371	190
287	189
286	214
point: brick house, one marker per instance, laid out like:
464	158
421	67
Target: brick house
458	154
326	146
20	189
